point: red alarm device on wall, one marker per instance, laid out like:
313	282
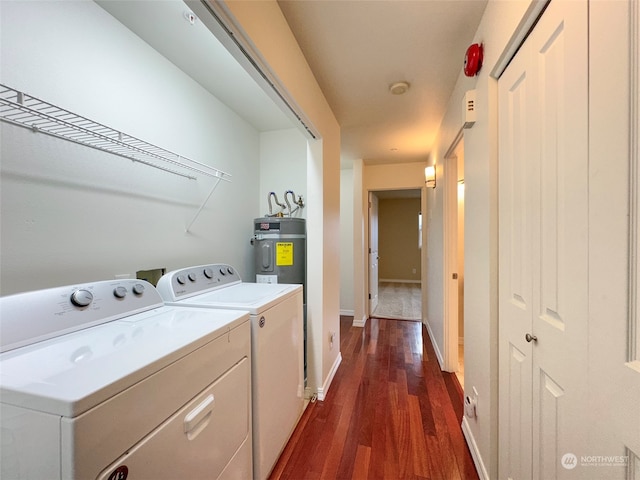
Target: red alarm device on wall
473	60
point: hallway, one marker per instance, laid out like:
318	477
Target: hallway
399	300
403	301
391	413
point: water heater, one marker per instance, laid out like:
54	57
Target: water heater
280	246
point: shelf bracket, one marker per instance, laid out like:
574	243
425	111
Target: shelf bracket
195	217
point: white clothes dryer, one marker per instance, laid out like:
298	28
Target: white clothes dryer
277	343
103	381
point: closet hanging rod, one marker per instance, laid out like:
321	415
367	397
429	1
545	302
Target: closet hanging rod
30	112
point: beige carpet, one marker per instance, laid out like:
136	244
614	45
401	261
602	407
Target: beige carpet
402	301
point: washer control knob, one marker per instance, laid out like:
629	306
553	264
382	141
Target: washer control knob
192	277
138	289
120	292
230	270
208	273
223	271
181	279
81	298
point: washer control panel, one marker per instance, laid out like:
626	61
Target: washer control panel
190	281
31	317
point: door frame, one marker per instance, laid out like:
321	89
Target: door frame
450	324
367	246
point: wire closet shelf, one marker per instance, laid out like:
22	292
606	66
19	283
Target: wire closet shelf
30	112
26	111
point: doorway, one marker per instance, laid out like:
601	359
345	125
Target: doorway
459	156
454	260
395	233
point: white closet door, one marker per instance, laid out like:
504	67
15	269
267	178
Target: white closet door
518	172
544	248
560	375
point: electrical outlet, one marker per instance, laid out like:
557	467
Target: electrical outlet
475	398
332	337
471	404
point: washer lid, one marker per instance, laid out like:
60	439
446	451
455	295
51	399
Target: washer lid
253	297
70	374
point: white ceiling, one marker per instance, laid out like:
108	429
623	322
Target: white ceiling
358	48
198	53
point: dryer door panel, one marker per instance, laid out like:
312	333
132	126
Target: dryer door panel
201	439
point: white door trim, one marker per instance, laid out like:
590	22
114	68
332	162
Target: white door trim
634	190
450	327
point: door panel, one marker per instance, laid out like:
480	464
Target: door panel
552	409
518	422
543	199
517	147
559	48
373	281
373	252
201	439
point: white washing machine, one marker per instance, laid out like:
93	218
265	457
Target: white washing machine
277	342
103	381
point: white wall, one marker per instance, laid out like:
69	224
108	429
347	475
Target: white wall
480	304
262	25
360	255
346	242
399	240
71	214
614	180
283	166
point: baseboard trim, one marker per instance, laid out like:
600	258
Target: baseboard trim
435	346
322	391
360	323
473	448
392	280
347	313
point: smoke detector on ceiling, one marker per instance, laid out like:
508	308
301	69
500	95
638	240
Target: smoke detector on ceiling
399	88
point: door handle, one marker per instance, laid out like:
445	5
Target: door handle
199	416
530	338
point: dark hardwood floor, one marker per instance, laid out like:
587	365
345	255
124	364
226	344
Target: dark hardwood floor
390	413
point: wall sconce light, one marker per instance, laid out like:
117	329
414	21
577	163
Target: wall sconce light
430	177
